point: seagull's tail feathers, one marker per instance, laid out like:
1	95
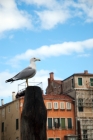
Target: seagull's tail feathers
10	80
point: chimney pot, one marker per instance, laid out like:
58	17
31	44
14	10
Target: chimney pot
2	102
51	76
85	71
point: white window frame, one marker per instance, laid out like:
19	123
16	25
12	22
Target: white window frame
55	107
48	105
62	105
68	107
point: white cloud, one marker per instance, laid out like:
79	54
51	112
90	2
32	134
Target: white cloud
47	13
87	9
58	12
50	18
66	48
45	3
11	17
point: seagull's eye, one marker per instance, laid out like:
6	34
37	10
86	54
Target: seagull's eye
34	58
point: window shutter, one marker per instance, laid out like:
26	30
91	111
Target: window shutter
68	105
79	81
2	126
69	123
62	105
55	105
62	123
91	81
49	105
50	123
17	124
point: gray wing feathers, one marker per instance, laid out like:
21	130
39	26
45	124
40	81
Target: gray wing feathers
24	74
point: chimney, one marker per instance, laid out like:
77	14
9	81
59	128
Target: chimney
2	102
85	71
51	76
13	96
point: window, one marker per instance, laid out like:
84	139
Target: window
62	105
55	105
17	124
91	81
57	138
92	104
49	105
85	137
17	138
72	138
80	105
80	81
69	123
49	123
63	125
56	122
68	105
2	126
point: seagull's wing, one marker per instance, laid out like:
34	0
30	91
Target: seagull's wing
25	74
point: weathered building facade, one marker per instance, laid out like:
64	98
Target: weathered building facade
54	86
80	87
10	114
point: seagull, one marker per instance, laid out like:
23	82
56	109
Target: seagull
26	73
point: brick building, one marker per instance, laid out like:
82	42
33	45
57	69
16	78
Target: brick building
54	86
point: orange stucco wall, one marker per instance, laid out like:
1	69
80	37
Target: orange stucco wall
59	133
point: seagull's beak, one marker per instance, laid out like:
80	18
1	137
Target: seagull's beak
38	59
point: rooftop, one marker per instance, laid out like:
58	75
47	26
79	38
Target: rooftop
57	97
85	73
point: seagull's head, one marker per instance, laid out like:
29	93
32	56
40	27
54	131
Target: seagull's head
34	59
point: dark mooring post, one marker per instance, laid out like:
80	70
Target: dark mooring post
34	115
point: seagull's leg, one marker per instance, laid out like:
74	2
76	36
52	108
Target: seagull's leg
27	82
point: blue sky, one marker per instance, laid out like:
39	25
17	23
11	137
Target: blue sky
58	32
